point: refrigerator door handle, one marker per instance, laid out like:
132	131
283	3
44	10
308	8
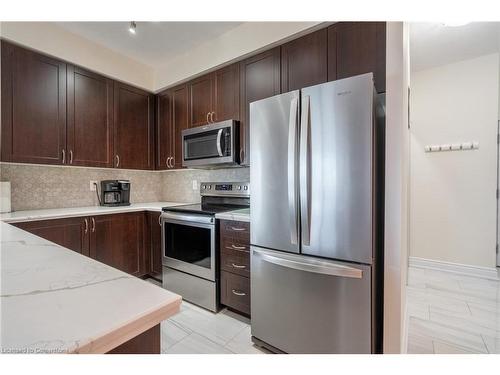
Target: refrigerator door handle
313	266
305	172
292	171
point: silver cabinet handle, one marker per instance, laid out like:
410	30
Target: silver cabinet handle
93	224
212	116
238	247
242	153
238	266
71	156
159	220
237	229
298	262
208	121
117	161
292	172
305	172
238	293
172	161
64	156
219	136
166	163
86	225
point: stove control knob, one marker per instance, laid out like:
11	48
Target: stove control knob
246	187
239	187
209	187
203	187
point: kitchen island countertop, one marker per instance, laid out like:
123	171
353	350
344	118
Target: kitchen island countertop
54	300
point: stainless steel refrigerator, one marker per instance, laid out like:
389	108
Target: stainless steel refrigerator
317	172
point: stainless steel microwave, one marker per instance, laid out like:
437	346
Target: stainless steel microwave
211	146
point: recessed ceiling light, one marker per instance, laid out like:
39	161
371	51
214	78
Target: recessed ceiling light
455	23
132	27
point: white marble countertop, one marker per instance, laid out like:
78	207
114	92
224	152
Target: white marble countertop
55	213
56	300
236	215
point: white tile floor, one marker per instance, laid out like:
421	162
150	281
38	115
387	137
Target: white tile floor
450	313
198	331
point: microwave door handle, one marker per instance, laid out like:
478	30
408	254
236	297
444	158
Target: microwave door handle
219	137
305	172
292	171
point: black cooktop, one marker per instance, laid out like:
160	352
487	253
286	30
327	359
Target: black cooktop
205	209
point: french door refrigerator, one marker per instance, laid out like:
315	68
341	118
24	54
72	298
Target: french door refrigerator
317	162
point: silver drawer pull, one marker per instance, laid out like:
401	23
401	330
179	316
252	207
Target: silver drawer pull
238	247
237	266
237	229
237	293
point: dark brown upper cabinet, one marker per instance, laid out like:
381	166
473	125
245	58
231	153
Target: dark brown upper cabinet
304	61
180	106
359	47
201	100
227	93
164	131
133	127
90	119
259	79
33	107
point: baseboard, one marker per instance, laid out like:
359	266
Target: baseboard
461	269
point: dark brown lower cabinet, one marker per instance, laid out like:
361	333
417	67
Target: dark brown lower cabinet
118	240
235	265
71	233
130	242
147	342
153	254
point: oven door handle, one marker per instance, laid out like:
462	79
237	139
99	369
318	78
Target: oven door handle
219	138
188	218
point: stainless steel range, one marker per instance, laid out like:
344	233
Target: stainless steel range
190	247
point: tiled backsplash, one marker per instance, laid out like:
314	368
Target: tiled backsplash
37	186
41	186
178	184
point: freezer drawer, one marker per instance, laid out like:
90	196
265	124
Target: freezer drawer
302	304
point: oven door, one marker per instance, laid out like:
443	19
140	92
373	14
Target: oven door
210	145
188	243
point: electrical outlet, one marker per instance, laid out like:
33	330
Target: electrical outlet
195	185
93	185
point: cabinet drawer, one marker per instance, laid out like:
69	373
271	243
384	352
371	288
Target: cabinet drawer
235	229
236	261
234	244
235	292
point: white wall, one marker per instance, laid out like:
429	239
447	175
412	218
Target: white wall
51	39
396	188
237	42
453	203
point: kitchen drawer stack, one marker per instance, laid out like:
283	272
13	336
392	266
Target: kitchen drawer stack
235	265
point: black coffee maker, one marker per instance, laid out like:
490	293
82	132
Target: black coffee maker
115	193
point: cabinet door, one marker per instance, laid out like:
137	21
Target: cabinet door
179	121
163	129
260	79
71	233
133	130
227	93
360	49
304	61
118	241
33	107
154	232
90	119
201	100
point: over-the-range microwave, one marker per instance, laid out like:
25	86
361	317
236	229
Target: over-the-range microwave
211	146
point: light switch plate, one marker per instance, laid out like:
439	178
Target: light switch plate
195	185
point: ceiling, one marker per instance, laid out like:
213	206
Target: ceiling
434	44
154	42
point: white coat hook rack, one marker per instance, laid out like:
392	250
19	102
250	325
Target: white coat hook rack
464	146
